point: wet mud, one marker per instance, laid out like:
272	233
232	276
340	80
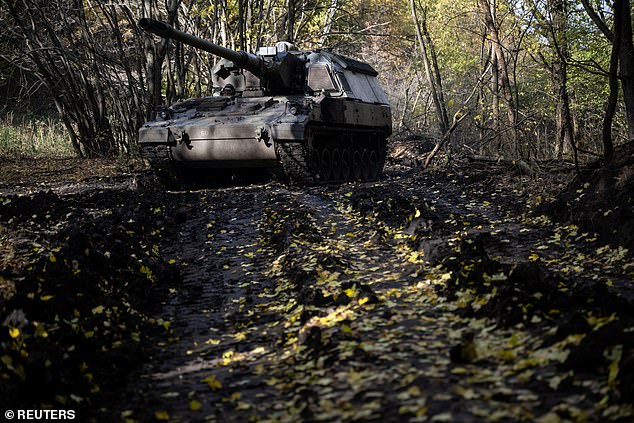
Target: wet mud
444	295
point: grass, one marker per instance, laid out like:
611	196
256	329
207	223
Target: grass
24	138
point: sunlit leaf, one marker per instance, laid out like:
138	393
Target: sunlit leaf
213	383
161	415
98	310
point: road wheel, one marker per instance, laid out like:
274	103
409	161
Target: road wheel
336	165
325	165
375	165
315	164
365	165
346	164
357	165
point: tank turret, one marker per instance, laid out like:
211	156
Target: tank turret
278	73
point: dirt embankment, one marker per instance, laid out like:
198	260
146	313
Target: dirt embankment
601	199
439	296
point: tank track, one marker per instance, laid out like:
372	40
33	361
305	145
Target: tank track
332	155
160	159
294	158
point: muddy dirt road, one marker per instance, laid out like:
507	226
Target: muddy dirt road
421	297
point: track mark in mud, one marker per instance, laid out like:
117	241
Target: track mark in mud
436	297
337	308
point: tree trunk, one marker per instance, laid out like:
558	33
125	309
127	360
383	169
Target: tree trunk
290	20
622	13
564	135
626	60
241	25
489	13
328	20
432	72
608	147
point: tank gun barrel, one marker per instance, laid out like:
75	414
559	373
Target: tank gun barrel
242	59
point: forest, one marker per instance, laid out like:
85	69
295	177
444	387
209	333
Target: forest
483	273
529	80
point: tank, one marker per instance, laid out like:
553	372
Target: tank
320	116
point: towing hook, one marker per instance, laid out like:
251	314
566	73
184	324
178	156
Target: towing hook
183	138
262	134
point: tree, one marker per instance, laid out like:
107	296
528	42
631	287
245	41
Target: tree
65	60
501	80
622	56
564	133
432	72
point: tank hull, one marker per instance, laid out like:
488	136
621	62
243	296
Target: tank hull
219	132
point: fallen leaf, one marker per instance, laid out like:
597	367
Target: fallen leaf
213	383
161	415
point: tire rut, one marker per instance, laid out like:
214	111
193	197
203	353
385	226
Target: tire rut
318	305
213	243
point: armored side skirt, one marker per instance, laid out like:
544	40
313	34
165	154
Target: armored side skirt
220	149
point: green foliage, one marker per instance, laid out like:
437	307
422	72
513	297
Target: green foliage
33	138
379	32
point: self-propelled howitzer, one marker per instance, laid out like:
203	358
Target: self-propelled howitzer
323	117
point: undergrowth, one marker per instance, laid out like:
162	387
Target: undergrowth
22	137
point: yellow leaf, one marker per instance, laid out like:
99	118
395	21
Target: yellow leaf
213	383
127	413
14	332
363	300
52	258
554	382
506	354
235	397
466	393
195	405
613	369
550	417
7	360
161	415
415	391
417	214
350	292
41	331
46	297
98	310
147	272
